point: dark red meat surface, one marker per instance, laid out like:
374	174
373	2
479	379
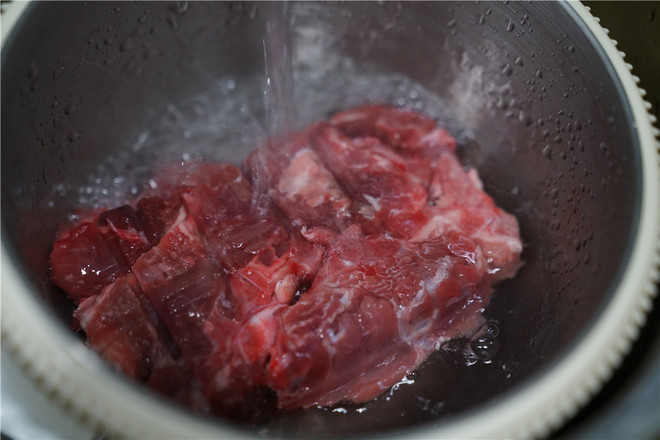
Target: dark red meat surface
325	270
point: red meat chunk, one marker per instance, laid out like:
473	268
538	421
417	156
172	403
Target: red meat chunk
324	270
374	299
82	262
400	129
121	329
386	195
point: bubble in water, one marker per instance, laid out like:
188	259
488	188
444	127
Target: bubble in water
470	357
490	329
485	348
509	369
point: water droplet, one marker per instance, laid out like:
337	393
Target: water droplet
451	23
150	53
539	74
547	151
126	45
33	71
571	49
518	61
230	84
481	19
524	118
509	25
252	12
507	70
180	8
173	22
70	108
74	136
142	19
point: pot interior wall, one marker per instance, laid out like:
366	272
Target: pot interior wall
96	94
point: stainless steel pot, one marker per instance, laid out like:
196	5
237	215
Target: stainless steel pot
95	94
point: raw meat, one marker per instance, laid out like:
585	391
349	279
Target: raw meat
325	270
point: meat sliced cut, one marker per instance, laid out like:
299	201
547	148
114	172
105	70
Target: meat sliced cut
386	196
324	270
399	128
309	194
121	329
82	263
376	309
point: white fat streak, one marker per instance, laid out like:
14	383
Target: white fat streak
441	274
295	182
367	212
438	225
510	241
373	201
285	288
306	175
180	218
427	286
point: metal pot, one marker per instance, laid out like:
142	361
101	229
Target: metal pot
95	94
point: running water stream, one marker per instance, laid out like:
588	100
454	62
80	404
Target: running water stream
278	88
278	92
